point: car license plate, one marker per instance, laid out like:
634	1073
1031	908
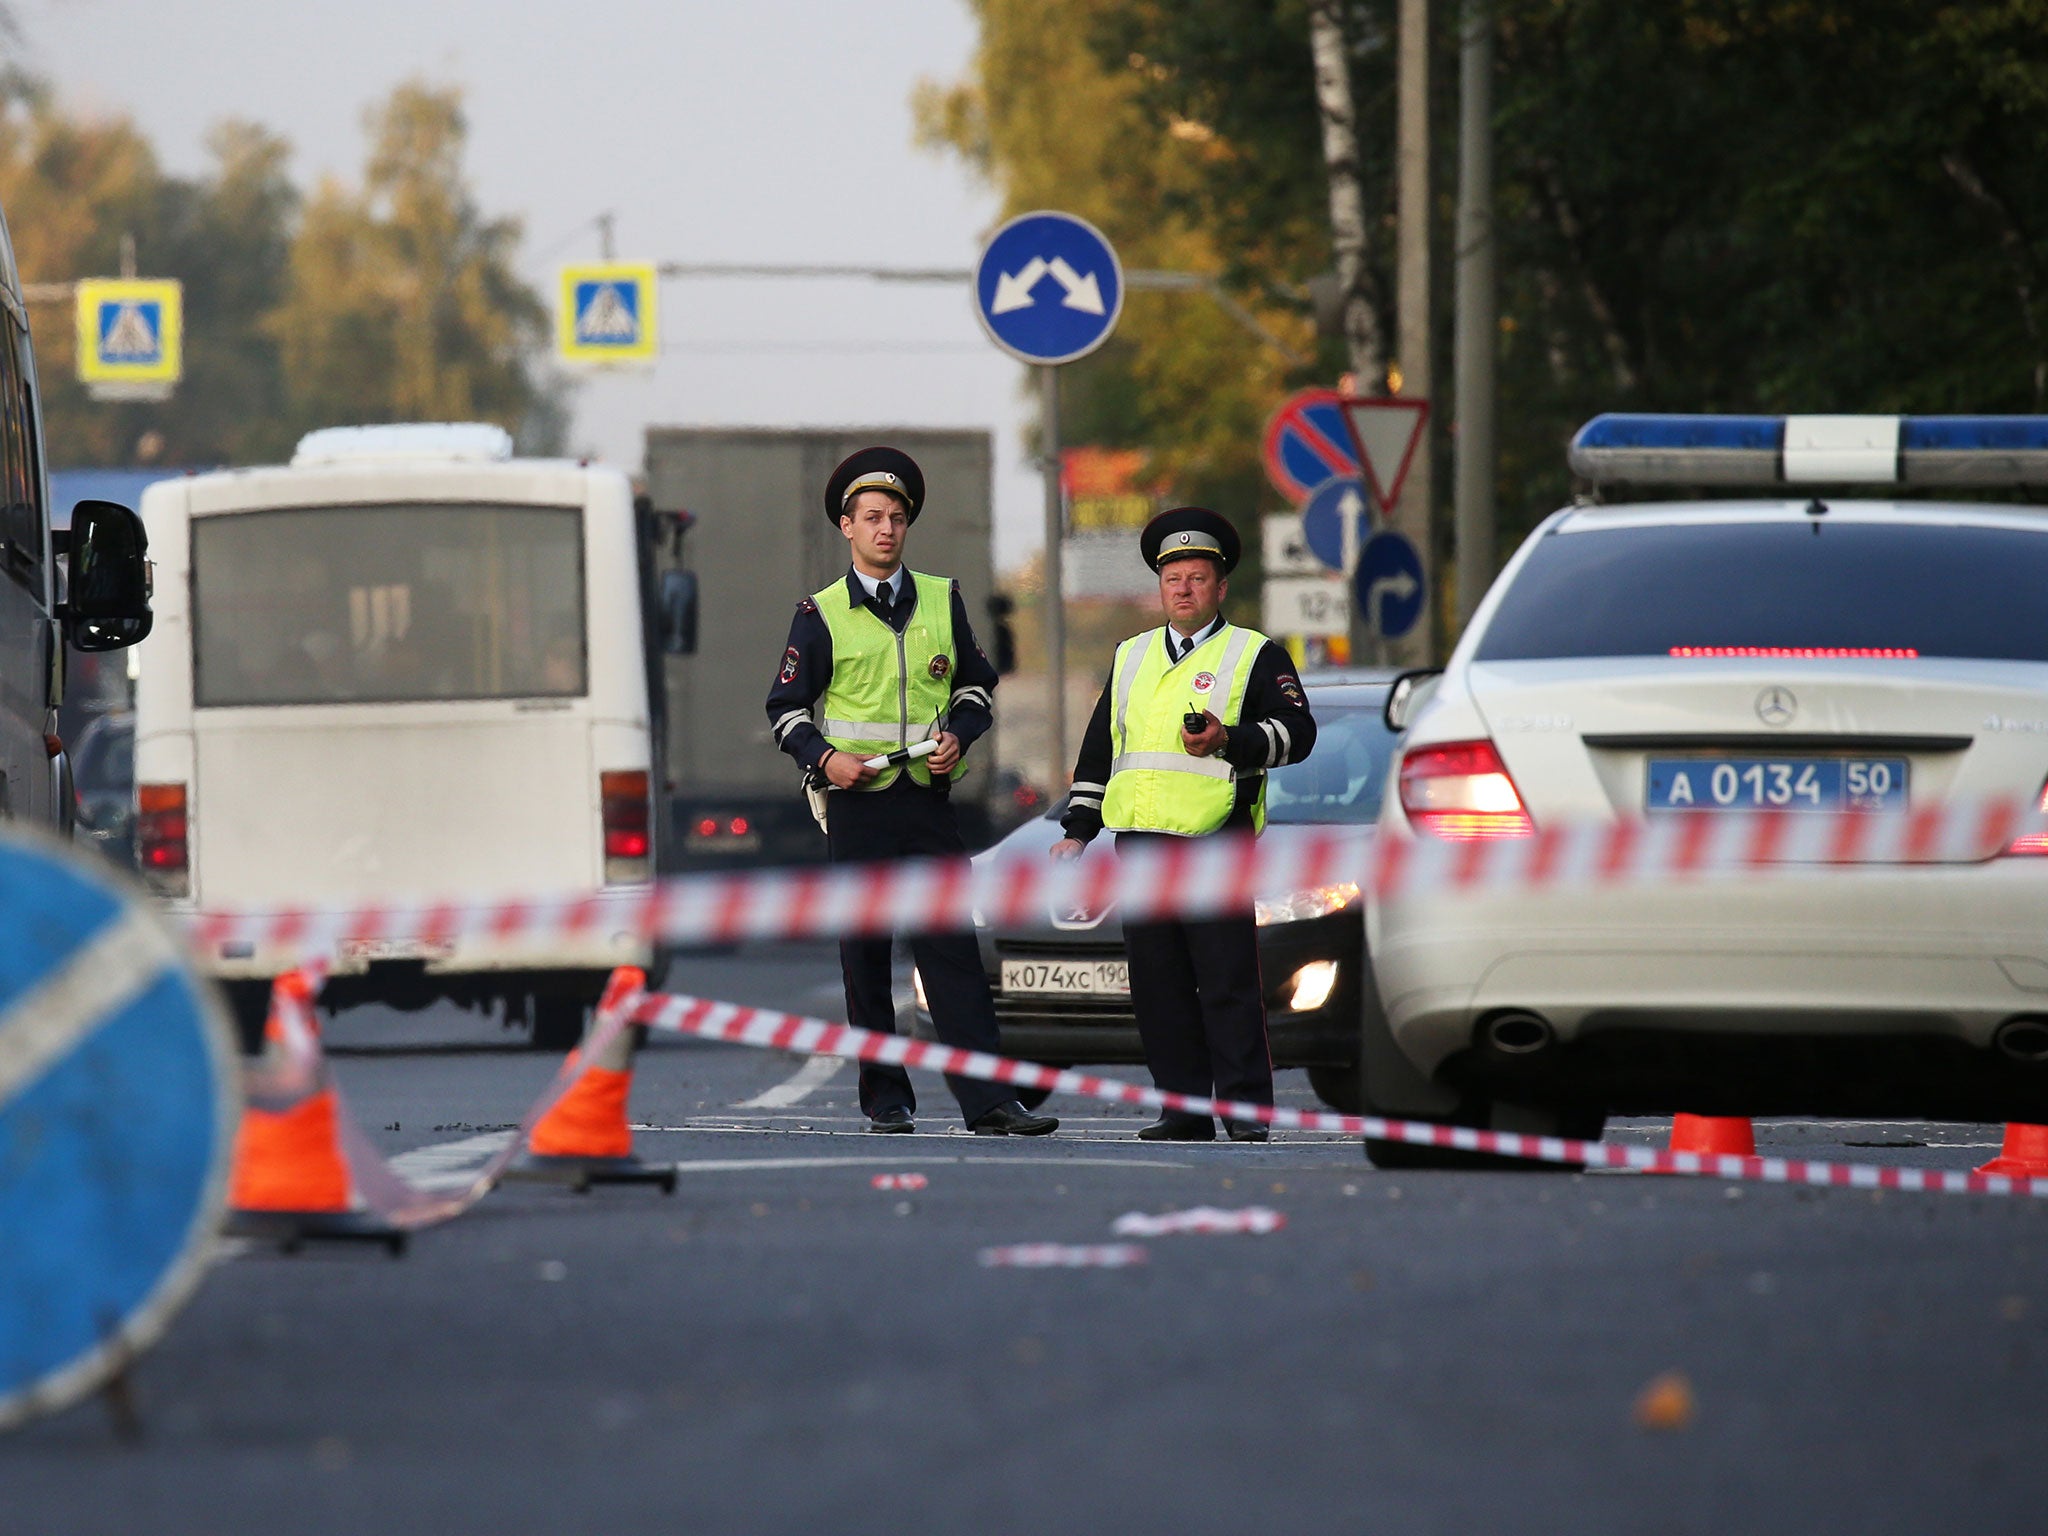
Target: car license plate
396	949
1777	783
1067	977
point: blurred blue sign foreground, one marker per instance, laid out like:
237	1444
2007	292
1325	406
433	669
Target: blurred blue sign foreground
1390	585
1048	288
118	1102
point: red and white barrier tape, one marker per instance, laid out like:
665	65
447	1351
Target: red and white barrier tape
1172	877
772	1030
899	1181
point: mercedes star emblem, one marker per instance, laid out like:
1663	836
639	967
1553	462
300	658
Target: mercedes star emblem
1776	706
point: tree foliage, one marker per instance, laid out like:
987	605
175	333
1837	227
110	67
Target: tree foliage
396	302
1769	205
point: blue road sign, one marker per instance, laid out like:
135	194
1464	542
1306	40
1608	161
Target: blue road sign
1390	586
1322	520
118	1100
1308	443
1048	288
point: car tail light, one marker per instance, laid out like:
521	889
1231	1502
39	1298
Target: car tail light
625	808
1461	791
161	838
2032	842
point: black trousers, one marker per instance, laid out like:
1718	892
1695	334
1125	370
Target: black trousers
904	821
1201	1006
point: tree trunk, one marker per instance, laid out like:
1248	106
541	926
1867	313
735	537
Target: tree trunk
1330	44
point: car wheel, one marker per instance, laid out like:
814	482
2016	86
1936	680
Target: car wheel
557	1021
1574	1124
1341	1088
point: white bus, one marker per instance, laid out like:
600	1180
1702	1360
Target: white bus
405	666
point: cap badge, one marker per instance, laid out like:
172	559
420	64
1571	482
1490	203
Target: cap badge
1187	538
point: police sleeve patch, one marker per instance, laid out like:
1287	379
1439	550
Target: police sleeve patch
1289	688
789	665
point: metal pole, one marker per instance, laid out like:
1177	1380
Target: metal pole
1055	607
1478	322
1414	514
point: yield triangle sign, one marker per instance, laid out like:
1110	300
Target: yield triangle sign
1385	430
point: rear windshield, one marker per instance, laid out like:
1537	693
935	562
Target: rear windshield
1343	777
387	604
1816	585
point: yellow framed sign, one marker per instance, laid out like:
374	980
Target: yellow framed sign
607	313
131	331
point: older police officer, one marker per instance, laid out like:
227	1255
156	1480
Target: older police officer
886	660
1145	772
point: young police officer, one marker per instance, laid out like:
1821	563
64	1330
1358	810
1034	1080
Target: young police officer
1143	773
887	659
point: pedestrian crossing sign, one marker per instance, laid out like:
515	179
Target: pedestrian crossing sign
607	314
131	331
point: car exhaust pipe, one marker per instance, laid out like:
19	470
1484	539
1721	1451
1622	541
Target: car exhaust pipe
2024	1040
1520	1033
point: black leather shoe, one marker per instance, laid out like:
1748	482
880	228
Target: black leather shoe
892	1122
1172	1127
1247	1130
1010	1118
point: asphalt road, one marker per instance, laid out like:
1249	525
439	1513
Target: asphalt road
782	1347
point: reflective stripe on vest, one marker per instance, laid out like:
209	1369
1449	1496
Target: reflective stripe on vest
1154	784
884	693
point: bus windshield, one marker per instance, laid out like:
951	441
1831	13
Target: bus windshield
390	604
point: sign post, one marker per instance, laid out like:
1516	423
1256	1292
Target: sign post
607	314
1048	289
131	337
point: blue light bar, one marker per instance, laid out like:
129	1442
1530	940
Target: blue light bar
1812	450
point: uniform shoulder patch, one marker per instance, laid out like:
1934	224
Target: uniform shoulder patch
807	606
1289	688
941	665
790	660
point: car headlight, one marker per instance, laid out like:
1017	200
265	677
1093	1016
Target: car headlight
1310	987
1297	906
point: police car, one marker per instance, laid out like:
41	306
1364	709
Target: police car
1792	649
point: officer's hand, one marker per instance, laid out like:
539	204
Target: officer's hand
1209	742
848	771
946	755
1068	848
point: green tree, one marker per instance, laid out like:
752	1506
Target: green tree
400	301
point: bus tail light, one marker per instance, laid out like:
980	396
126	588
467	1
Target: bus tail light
1461	791
625	810
2035	843
160	838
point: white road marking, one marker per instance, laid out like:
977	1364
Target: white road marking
448	1165
807	1080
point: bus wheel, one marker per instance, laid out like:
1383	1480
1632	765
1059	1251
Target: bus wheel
557	1021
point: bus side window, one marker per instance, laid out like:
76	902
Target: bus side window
21	519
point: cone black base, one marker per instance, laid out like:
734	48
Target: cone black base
291	1229
580	1173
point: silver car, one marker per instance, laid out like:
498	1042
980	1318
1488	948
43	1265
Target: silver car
1804	654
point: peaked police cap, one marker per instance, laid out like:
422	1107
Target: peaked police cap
1187	531
874	469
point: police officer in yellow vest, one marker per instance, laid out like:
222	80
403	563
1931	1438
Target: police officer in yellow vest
1145	772
877	663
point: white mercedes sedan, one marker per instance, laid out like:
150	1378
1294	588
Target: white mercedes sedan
1804	653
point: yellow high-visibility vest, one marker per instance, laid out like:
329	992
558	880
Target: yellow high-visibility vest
1155	785
887	690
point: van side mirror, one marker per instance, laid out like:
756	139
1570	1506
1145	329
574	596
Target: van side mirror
1410	691
107	578
679	613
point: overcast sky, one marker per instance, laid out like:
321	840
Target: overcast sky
716	130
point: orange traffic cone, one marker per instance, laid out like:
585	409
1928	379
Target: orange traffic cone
584	1138
1713	1135
291	1180
2025	1154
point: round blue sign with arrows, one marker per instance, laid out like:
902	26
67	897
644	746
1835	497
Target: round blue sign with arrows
119	1094
1048	288
1390	586
1322	520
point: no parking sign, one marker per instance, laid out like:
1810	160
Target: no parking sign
118	1102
